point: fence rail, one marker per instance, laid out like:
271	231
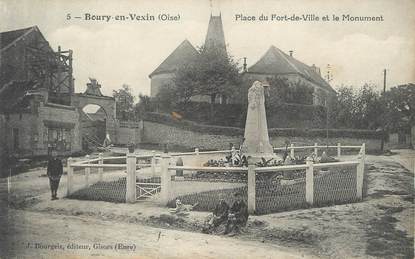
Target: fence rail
209	169
280	168
316	148
166	164
120	166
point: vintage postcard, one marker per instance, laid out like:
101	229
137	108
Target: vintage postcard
207	129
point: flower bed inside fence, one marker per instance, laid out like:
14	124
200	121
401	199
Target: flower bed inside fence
281	191
235	177
296	183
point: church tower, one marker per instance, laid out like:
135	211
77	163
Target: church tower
215	36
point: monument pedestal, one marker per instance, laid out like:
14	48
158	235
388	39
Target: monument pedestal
256	140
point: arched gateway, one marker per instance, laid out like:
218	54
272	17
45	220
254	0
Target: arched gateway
107	110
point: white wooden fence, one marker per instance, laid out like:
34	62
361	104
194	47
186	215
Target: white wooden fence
167	168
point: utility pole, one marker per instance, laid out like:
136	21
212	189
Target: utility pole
382	143
327	122
329	78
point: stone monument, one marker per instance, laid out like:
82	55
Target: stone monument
256	143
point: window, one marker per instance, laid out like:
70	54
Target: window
59	138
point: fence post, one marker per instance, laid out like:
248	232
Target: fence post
130	195
316	149
197	157
153	163
100	169
360	170
69	177
292	151
413	165
364	150
165	179
251	189
339	150
309	182
233	155
87	172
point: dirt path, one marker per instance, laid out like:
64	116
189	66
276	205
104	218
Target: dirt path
49	235
380	226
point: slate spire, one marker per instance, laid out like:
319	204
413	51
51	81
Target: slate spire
215	36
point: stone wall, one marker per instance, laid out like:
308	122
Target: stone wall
165	134
126	135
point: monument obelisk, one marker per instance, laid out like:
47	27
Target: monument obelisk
256	139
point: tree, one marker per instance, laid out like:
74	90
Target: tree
281	91
144	105
187	83
361	109
168	98
342	110
218	73
213	73
400	107
277	92
124	101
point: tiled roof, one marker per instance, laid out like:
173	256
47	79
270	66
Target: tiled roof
181	55
7	37
276	62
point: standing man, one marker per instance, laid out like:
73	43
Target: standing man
54	172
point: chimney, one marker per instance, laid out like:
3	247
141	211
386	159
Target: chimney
316	69
244	69
291	52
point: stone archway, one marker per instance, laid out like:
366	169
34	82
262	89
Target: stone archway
93	120
105	102
93	95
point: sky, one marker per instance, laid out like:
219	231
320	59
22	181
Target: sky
126	52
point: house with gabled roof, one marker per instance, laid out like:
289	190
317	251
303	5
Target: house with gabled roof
184	53
273	63
164	73
277	63
36	86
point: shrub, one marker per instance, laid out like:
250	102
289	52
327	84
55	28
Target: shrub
281	132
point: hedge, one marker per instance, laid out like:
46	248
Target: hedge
283	132
285	115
